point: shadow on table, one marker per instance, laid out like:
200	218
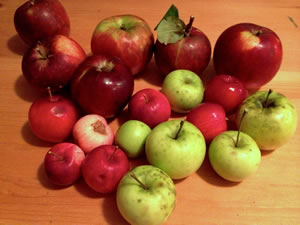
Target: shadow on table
45	182
17	45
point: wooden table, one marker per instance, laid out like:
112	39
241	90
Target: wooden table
270	197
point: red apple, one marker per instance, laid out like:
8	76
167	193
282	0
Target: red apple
227	91
52	118
127	37
104	167
149	106
38	19
91	131
63	163
51	62
249	52
102	85
209	118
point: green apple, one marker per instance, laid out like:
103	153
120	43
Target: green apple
184	90
131	137
146	196
232	160
271	119
177	147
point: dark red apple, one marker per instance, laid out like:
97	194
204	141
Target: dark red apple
127	37
63	163
209	118
104	167
250	52
51	62
102	85
38	19
149	106
227	91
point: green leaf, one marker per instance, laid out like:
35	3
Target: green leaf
172	11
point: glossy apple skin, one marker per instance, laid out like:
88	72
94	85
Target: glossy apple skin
250	52
39	19
227	91
127	37
51	62
209	118
104	167
191	53
149	106
63	163
100	92
52	118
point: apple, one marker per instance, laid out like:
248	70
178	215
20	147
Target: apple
227	91
38	19
102	85
184	90
104	167
209	118
271	119
146	195
127	37
131	137
177	147
149	106
51	62
63	163
52	118
250	52
91	131
180	46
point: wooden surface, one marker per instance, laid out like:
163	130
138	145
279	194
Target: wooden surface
270	197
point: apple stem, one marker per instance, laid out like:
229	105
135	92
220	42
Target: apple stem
112	155
137	180
239	130
146	99
56	155
50	94
180	127
188	27
266	103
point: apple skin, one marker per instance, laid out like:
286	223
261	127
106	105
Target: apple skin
272	126
52	118
38	19
178	157
209	118
51	62
191	53
153	205
127	37
131	137
149	106
250	52
234	163
227	91
63	163
184	90
104	167
102	85
91	131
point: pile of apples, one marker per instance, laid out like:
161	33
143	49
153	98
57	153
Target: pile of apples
87	91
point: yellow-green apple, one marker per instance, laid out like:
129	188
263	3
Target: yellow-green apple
250	52
177	147
146	195
184	90
127	37
149	106
38	19
103	168
131	137
102	85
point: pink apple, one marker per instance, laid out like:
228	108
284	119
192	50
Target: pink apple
209	118
127	37
249	52
63	163
227	91
104	167
149	106
91	131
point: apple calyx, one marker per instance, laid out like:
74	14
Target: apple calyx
188	27
179	129
267	103
239	130
105	66
99	127
60	158
137	180
112	155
